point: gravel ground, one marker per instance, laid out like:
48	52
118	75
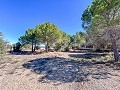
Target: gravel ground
57	71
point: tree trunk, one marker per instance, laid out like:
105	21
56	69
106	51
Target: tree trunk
115	50
46	47
116	53
114	47
32	47
35	47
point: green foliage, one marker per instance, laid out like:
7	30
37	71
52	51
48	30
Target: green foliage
66	41
86	18
17	47
26	46
63	42
80	38
2	46
29	38
100	20
107	9
48	33
99	16
23	40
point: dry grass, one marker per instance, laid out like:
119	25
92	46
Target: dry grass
13	76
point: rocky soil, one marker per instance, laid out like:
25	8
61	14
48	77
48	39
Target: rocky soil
58	71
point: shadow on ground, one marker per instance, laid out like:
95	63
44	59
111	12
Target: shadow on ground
88	55
24	53
66	70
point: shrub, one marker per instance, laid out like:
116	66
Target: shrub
2	46
17	47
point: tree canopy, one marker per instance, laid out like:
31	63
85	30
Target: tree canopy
102	19
52	37
48	33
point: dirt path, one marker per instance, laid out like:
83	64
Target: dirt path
13	76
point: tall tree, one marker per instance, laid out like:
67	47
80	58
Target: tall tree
29	38
109	13
48	33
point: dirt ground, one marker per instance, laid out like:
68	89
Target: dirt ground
58	71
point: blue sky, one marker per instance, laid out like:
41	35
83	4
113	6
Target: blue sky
16	16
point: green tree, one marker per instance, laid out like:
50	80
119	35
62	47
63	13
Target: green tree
96	35
64	41
17	47
48	33
79	38
106	14
29	38
2	45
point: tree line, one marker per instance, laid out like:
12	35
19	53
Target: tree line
52	37
101	21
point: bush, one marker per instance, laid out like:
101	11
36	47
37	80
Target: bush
2	46
17	47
